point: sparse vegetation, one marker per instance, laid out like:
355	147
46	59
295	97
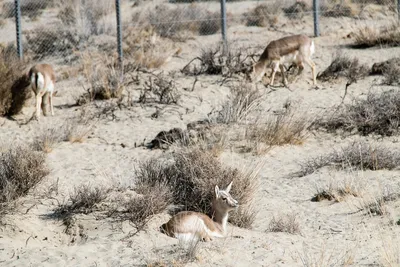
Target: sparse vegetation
264	15
343	66
297	10
340	9
161	89
358	155
191	178
377	113
21	169
30	8
14	90
243	99
368	37
284	223
338	192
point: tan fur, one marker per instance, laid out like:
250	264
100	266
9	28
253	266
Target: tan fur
43	93
199	224
295	49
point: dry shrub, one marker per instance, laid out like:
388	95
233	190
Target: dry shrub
286	223
191	177
30	8
264	15
339	9
84	200
21	169
14	90
213	61
297	10
87	17
54	41
377	113
368	37
139	209
102	78
392	74
343	66
161	89
358	155
242	100
379	68
145	47
288	127
338	192
48	138
191	19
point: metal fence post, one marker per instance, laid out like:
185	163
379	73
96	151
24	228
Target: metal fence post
316	19
119	33
398	9
17	7
223	25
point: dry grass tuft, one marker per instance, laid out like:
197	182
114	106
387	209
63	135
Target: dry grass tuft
343	66
161	89
368	37
358	155
14	86
264	15
338	192
297	10
48	138
138	210
21	169
191	177
285	223
242	100
377	113
287	127
340	9
84	200
30	8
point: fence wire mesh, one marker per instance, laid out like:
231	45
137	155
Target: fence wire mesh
60	28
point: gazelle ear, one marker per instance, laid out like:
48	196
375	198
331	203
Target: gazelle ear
228	188
216	191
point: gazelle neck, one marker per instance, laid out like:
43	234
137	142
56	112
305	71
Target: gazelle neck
220	217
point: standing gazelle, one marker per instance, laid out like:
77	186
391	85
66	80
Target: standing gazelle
42	78
290	49
189	225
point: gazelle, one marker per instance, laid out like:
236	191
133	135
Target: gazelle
42	78
189	225
295	49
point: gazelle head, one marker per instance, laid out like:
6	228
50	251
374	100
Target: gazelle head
256	72
223	201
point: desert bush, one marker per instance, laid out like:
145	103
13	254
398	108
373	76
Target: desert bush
287	127
191	19
57	41
14	90
358	155
392	74
139	209
297	10
339	9
83	200
213	61
191	177
343	66
102	77
146	48
87	17
48	138
338	192
264	15
377	113
242	100
30	8
21	169
368	37
284	223
161	89
379	68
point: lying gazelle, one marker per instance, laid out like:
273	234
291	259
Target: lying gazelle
291	49
42	78
188	226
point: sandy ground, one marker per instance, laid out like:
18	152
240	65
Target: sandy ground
331	234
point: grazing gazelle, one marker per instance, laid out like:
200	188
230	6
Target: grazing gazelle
189	225
295	49
42	78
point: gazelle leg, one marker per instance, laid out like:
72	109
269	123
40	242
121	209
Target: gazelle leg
283	75
312	65
38	105
45	99
51	103
274	70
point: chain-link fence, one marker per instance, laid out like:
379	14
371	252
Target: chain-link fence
58	29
